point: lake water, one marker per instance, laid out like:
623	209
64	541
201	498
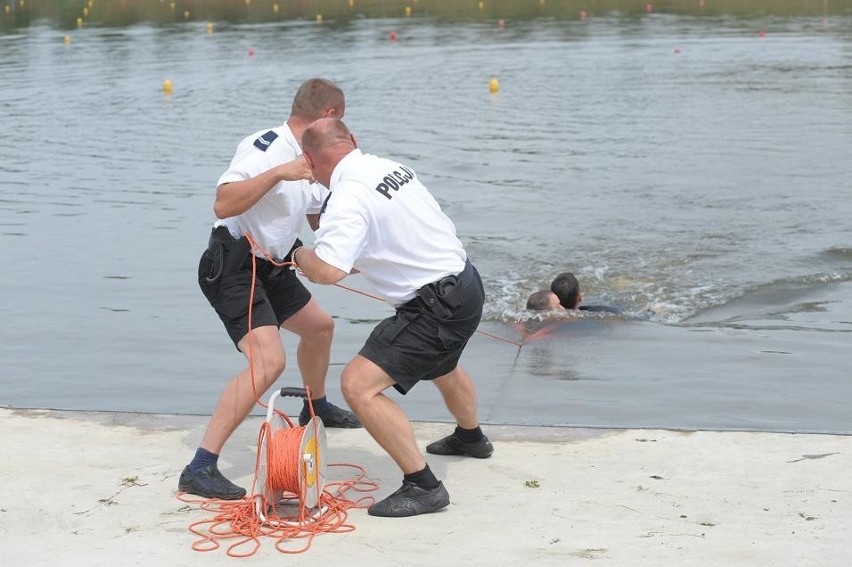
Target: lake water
694	169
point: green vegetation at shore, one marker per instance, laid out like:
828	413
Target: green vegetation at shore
68	14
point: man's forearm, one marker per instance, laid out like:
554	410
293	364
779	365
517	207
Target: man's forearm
314	268
237	197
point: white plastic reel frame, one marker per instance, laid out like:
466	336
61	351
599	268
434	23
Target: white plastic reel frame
311	466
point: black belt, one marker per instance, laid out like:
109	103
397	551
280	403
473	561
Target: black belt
231	254
444	296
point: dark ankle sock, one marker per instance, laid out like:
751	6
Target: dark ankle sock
202	458
468	435
321	405
423	478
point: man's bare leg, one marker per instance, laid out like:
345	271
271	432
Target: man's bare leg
239	397
362	383
459	393
266	357
315	328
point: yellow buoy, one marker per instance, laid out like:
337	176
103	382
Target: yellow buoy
275	8
79	22
186	14
85	12
248	2
209	27
172	6
167	86
91	3
408	10
481	5
494	85
7	8
319	18
351	3
67	40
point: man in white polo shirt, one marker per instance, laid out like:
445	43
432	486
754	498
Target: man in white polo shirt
382	221
266	194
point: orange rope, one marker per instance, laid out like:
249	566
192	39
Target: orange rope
371	296
284	450
361	292
238	520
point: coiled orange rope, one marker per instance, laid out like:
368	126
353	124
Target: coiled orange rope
239	519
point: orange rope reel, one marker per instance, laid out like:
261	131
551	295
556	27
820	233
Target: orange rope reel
291	465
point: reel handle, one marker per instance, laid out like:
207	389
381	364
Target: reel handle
293	392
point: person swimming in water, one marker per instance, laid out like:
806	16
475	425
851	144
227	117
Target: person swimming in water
564	293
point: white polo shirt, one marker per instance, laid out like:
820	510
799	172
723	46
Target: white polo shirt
275	221
383	221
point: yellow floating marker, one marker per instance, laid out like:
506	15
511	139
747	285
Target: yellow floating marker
494	85
186	14
67	40
351	3
209	27
275	8
85	12
248	2
481	5
172	6
79	22
91	3
7	8
319	18
167	86
408	10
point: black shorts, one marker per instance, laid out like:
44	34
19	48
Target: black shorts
225	274
416	344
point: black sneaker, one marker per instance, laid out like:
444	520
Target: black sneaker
452	445
411	500
209	483
332	417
